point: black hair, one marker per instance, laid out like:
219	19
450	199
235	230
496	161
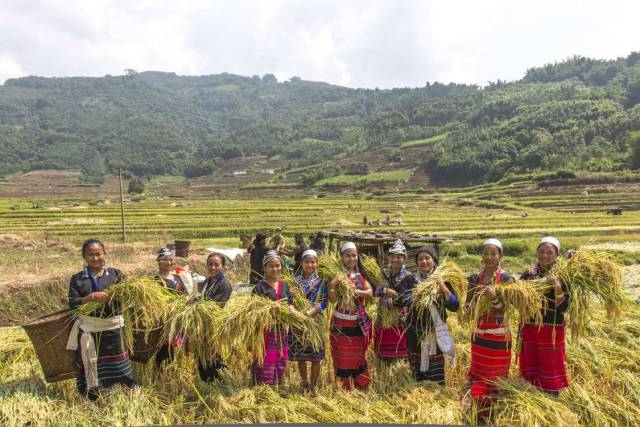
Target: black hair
90	242
222	258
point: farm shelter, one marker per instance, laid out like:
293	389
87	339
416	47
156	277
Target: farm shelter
377	244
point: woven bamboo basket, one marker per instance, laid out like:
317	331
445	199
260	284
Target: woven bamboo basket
143	350
49	335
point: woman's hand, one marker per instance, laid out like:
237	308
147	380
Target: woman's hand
446	293
99	296
391	293
275	308
294	291
491	290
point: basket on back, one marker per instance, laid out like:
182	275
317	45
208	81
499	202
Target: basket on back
49	335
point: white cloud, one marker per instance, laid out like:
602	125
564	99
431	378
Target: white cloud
384	43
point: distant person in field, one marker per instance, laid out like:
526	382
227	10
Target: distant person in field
256	253
318	242
296	252
216	288
270	370
168	278
315	290
491	340
102	360
426	354
542	354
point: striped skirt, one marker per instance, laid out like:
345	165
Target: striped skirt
542	358
348	350
114	366
435	371
490	360
390	343
300	351
275	359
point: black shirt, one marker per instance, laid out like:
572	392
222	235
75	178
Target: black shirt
256	258
262	288
217	289
81	285
552	315
176	284
317	245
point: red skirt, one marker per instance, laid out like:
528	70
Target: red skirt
490	360
390	343
542	359
348	349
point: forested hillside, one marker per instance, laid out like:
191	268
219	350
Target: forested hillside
580	114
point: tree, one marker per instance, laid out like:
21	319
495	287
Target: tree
136	186
635	149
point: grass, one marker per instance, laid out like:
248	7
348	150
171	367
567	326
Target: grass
423	142
269	185
371	178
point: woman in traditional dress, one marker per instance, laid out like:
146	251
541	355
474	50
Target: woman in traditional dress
271	370
315	290
542	355
490	341
391	343
425	355
351	326
102	359
168	278
216	288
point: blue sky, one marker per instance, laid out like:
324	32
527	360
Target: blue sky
383	43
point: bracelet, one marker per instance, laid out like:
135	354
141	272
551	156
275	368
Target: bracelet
559	296
495	301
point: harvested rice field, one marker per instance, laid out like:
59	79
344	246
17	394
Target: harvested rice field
39	250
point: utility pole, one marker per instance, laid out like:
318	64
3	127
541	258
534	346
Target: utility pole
124	231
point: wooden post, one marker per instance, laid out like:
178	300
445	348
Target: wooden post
124	230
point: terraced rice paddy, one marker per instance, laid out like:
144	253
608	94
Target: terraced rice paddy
509	213
39	243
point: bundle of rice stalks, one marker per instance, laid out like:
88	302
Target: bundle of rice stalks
371	270
143	302
303	305
387	316
276	240
198	322
330	267
522	300
591	274
427	292
247	317
299	301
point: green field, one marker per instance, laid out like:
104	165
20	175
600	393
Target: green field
40	241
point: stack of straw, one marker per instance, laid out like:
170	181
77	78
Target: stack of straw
247	317
330	267
522	301
143	303
590	274
385	316
197	321
426	292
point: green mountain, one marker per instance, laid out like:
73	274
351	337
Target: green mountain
579	114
